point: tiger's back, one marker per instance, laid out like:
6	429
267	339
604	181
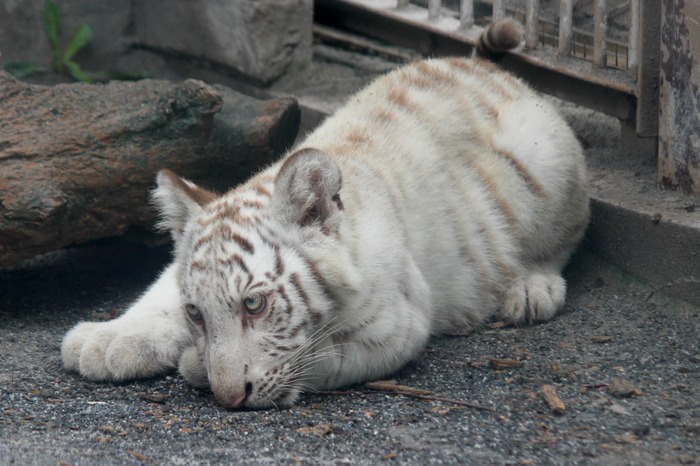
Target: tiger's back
482	177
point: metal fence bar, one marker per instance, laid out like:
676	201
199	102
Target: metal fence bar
499	9
600	30
633	44
532	13
647	118
613	94
466	14
566	12
434	7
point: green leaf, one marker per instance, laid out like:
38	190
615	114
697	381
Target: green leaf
22	69
80	39
77	72
51	17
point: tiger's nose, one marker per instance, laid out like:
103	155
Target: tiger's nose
237	401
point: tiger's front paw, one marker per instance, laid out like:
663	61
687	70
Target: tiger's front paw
192	366
534	299
124	349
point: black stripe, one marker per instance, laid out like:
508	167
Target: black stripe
240	263
246	245
294	278
283	295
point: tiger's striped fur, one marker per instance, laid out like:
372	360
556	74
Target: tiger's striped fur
444	192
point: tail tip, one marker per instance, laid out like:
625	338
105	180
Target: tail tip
500	36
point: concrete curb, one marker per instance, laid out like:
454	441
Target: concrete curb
664	253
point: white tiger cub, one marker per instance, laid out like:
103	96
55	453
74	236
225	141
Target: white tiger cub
442	193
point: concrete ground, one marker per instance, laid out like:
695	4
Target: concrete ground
623	357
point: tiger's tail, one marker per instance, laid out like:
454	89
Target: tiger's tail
498	38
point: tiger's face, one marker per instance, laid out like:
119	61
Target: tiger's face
255	298
258	306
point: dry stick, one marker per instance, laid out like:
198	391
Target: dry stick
553	401
467	404
392	387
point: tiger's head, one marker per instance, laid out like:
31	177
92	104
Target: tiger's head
253	280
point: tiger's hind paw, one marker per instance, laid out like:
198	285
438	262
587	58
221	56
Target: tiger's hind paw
534	299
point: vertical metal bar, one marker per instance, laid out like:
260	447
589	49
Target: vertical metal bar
434	7
633	44
532	13
566	12
466	14
648	69
499	10
600	30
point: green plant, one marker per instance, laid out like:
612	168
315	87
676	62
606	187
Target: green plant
51	17
62	60
22	69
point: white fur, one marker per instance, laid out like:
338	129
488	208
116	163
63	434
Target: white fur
443	193
147	340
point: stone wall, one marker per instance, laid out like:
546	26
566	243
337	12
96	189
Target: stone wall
259	39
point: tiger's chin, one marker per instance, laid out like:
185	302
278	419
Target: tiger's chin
285	399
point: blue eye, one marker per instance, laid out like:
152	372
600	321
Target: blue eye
194	313
255	305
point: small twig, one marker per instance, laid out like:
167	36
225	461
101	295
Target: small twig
553	401
595	386
140	456
502	364
392	387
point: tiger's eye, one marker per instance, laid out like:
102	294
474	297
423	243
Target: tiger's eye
255	305
194	313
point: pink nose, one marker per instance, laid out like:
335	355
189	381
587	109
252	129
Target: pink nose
234	402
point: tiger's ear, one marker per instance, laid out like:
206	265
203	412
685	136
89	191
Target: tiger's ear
307	189
178	200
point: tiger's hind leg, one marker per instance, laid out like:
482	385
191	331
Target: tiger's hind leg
535	297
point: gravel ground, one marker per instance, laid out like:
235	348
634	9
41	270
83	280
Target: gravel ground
624	360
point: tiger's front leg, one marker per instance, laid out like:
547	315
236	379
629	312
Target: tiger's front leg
146	340
373	351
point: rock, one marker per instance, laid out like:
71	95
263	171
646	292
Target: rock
260	39
22	36
77	160
623	388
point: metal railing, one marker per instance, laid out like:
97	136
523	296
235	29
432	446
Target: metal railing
539	31
587	67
